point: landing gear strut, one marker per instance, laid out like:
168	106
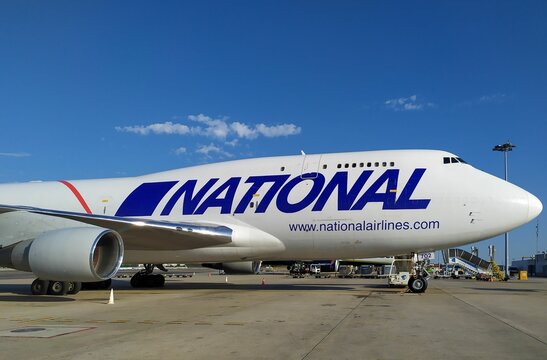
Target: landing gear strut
145	278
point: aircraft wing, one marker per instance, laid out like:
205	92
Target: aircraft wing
143	234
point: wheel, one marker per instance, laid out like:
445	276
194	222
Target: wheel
136	280
417	285
57	288
74	287
159	280
39	287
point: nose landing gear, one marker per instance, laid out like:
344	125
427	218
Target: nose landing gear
418	281
417	284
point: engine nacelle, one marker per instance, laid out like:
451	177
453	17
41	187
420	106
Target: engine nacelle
73	254
238	267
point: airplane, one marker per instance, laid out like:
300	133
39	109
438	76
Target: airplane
317	206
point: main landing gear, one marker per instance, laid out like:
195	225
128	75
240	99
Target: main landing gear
53	287
61	288
145	278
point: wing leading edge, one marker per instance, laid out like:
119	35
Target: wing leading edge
143	234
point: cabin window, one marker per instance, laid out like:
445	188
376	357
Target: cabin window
369	164
392	164
376	164
384	164
361	164
353	165
339	166
282	168
346	166
324	166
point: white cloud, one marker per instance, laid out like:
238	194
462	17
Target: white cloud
492	98
233	143
278	130
243	130
410	103
219	129
180	151
158	128
17	154
207	150
216	128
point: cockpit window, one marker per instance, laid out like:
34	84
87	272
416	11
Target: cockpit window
453	160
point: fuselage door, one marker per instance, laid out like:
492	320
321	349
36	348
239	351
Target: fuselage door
310	166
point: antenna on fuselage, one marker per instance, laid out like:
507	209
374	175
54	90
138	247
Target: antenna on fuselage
302	152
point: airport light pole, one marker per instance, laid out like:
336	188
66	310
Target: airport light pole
505	148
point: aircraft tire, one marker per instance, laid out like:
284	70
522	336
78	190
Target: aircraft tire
147	281
417	285
159	280
136	280
39	287
74	287
57	288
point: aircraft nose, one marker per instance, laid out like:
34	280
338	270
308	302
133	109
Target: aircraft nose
534	207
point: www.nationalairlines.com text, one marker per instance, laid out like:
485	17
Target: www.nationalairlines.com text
375	225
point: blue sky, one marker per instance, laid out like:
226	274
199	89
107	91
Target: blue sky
94	89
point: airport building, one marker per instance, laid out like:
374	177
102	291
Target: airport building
536	266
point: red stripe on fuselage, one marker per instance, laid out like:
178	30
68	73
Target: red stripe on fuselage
77	194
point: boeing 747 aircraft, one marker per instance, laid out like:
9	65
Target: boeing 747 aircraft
329	206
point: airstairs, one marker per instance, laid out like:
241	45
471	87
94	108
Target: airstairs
466	260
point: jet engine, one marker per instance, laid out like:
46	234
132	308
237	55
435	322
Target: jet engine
238	267
72	254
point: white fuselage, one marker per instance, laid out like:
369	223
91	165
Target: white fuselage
333	206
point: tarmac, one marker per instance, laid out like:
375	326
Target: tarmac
269	316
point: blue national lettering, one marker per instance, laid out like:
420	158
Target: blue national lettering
144	200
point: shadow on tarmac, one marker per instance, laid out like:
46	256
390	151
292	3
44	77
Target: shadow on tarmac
124	285
21	293
506	290
34	298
